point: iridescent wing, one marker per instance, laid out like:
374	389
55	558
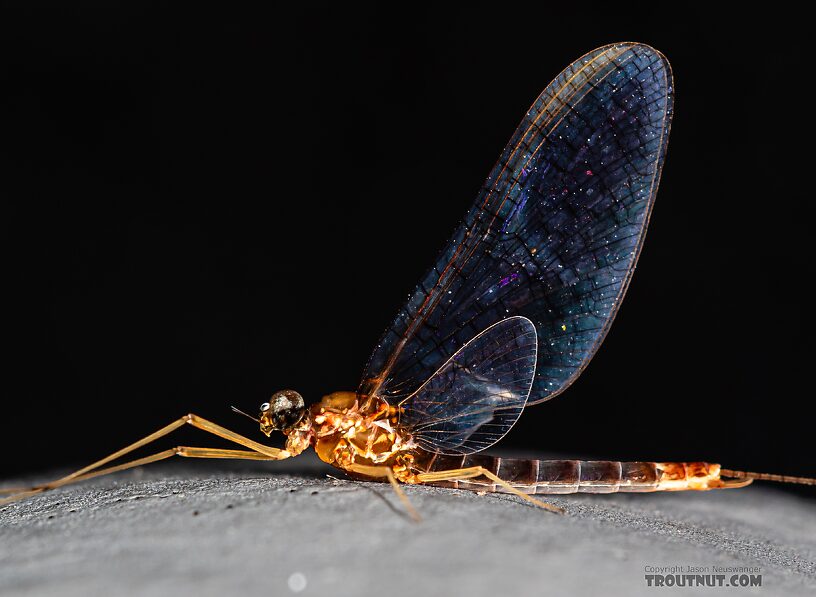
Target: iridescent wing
554	234
474	399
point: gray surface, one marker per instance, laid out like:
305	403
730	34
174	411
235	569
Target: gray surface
246	528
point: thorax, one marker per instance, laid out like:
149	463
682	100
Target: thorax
344	435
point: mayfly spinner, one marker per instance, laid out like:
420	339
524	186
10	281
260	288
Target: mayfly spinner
513	310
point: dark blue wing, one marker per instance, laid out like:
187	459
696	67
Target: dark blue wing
554	234
474	399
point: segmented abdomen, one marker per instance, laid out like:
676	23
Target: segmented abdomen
574	476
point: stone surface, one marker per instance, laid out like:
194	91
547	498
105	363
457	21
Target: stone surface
198	528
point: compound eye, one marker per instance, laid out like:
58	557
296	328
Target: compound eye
264	407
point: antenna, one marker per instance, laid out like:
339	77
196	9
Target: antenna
240	412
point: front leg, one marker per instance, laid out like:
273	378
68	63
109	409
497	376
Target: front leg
258	452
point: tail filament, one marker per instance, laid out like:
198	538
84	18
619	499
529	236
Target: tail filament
767	477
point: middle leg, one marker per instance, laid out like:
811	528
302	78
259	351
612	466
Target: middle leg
479	471
385	471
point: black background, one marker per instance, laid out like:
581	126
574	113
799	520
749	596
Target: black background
203	207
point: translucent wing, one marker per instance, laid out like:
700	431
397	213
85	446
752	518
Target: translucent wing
478	394
554	234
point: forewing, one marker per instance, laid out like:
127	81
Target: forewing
474	399
554	234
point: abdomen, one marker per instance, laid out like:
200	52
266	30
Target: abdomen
575	476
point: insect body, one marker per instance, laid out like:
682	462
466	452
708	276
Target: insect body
364	444
509	315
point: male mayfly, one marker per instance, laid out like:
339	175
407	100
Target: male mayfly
509	315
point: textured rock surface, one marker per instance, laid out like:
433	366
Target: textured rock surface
269	529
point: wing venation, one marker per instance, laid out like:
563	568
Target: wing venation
474	399
555	232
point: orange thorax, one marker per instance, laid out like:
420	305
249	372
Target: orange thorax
345	435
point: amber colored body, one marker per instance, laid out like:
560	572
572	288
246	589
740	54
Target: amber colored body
363	440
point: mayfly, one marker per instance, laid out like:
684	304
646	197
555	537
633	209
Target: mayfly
510	314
